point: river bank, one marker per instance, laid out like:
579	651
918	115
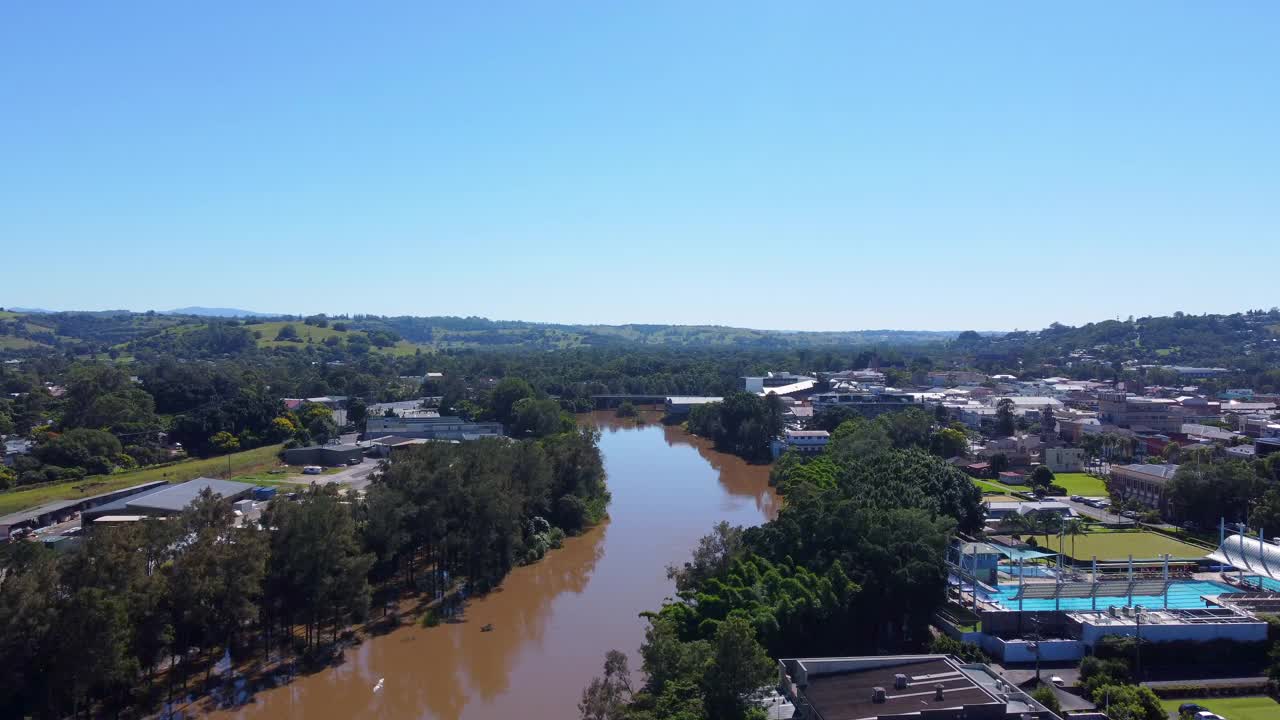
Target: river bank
552	621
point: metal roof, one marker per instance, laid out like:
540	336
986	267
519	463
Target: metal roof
1249	553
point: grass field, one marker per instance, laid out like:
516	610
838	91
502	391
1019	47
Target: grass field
317	335
1250	707
248	461
1081	484
1119	545
988	486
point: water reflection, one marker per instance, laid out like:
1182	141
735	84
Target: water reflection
552	621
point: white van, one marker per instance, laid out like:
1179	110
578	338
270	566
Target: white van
312	470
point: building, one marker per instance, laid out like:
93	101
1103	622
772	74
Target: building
1196	372
1142	482
900	687
780	383
808	442
324	455
431	428
952	378
681	405
866	403
1063	459
168	500
1131	411
15	447
1019	450
63	510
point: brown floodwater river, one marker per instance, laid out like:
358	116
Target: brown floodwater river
553	621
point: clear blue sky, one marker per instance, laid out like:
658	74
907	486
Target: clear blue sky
781	165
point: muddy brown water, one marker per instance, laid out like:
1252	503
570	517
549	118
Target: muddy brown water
552	621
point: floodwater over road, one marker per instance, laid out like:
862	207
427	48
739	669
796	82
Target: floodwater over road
552	621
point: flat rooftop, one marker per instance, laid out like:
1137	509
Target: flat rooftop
847	695
173	498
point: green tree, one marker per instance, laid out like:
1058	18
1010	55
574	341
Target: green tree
999	463
606	697
948	443
1041	478
224	442
1046	697
288	333
738	668
505	395
1006	424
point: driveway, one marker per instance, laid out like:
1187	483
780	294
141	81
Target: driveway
356	477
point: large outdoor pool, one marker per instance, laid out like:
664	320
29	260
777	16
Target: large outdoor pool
1183	594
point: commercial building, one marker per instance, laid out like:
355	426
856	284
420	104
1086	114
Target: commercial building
168	500
681	405
781	383
431	428
1146	413
325	455
62	510
1063	459
868	404
1142	482
808	442
898	687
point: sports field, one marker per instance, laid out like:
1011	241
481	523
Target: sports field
1081	484
1119	545
1250	707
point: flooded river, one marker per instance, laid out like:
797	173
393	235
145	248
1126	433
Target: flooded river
552	621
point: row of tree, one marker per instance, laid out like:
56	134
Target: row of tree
91	628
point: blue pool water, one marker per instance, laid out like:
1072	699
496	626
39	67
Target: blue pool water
1183	594
1030	571
1265	583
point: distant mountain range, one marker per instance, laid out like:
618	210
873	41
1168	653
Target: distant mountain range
218	312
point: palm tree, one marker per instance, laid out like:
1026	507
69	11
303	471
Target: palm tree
1073	528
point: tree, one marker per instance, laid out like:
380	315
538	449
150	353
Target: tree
357	412
505	395
606	697
626	410
1265	514
1171	453
1046	697
537	418
949	442
1006	425
224	442
1041	478
999	463
713	555
739	667
288	333
1073	529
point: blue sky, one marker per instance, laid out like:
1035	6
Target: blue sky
781	165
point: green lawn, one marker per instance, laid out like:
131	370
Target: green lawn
317	335
1081	484
242	462
1250	707
988	486
1119	545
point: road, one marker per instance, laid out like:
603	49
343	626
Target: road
1094	513
356	477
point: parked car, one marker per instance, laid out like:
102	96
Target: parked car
1186	709
1058	681
1077	498
1206	715
355	461
312	470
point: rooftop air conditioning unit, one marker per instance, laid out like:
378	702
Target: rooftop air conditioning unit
877	695
899	681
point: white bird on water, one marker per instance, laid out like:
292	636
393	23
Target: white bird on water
378	687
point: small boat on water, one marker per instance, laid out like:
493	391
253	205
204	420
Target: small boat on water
487	628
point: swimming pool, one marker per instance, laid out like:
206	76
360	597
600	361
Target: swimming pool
1183	594
1264	583
1031	571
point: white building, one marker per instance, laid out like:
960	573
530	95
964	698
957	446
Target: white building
1063	459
